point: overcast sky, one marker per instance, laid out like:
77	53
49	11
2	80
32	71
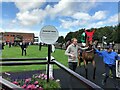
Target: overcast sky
65	15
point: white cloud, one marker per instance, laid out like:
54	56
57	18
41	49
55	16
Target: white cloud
25	6
29	18
68	7
1	30
63	8
67	24
14	21
113	19
99	15
30	13
58	0
85	20
95	25
62	33
81	16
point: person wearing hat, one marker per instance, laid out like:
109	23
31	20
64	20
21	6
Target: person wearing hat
109	59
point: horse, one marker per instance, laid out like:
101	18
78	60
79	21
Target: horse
87	56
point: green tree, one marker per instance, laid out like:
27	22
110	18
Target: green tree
118	33
111	32
69	36
61	39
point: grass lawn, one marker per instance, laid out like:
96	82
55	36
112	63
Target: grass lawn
32	52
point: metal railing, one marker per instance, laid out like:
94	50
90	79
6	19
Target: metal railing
83	80
6	85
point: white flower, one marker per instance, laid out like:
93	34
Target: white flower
57	80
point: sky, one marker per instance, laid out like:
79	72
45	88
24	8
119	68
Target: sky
65	15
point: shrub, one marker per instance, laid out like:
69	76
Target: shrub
38	82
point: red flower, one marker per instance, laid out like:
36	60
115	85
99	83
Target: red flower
15	82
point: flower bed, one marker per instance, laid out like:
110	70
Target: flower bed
38	82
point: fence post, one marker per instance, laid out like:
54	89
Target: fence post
48	62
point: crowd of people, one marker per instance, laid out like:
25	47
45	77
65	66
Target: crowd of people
23	45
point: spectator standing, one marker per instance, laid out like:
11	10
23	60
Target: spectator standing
23	48
72	53
40	46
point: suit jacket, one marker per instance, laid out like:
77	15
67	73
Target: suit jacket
23	46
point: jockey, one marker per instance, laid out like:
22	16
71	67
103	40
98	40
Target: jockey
89	36
88	45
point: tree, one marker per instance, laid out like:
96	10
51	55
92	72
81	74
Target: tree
118	33
111	32
61	39
69	36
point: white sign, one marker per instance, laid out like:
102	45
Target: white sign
49	34
117	68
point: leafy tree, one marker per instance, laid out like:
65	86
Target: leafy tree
69	36
118	33
111	32
61	39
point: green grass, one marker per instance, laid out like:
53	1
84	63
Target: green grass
32	52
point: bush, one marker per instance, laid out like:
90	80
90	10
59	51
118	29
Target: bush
38	82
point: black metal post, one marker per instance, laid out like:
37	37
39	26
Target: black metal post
48	63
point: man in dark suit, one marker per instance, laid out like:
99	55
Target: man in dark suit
40	46
23	47
3	45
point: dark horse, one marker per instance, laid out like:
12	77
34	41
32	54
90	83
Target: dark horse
87	56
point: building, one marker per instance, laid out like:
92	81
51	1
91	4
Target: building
17	37
36	40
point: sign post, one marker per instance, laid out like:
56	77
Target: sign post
49	35
48	64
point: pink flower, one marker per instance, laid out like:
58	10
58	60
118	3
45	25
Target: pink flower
36	82
39	76
24	86
27	80
42	78
40	88
15	82
45	76
31	87
36	76
42	75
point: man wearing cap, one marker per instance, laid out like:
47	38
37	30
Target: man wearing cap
109	58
